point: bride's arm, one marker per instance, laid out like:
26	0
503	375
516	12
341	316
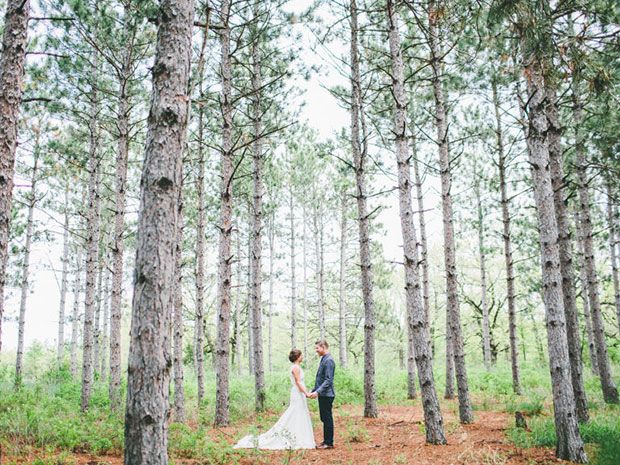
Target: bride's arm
298	382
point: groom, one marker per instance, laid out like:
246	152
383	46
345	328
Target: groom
324	390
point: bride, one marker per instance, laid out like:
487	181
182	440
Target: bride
294	429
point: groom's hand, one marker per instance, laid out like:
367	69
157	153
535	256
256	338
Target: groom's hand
313	395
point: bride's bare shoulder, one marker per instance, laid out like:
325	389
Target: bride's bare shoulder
295	368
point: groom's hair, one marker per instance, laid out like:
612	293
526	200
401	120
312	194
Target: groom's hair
322	343
294	355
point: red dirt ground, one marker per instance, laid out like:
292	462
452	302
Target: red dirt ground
395	437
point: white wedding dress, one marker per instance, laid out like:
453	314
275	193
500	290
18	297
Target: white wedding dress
293	430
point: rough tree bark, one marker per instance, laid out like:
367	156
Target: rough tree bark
510	280
257	224
105	323
359	160
64	283
200	261
222	345
293	278
148	385
416	318
584	296
556	166
75	318
611	221
610	393
122	156
179	389
453	312
569	443
238	306
342	322
92	244
486	340
32	201
11	76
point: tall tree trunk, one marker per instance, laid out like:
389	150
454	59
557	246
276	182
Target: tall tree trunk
200	265
453	311
305	276
75	318
92	244
249	297
342	326
416	318
238	307
449	392
510	280
584	296
257	226
556	166
359	160
179	389
222	345
122	156
100	298
486	341
293	279
64	283
148	385
569	443
422	223
32	201
610	393
11	76
611	220
318	235
272	247
106	320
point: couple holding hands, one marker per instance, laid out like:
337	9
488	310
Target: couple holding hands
293	430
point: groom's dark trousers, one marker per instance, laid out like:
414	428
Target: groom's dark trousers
324	387
325	408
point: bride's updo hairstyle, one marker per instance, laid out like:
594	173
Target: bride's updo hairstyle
294	355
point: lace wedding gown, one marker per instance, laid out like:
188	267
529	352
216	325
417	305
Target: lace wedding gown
292	431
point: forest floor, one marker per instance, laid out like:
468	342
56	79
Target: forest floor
395	437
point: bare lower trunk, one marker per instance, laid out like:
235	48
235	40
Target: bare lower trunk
64	283
106	321
272	251
422	223
293	281
569	443
453	312
222	345
566	256
449	392
611	221
584	296
250	312
305	276
122	156
100	299
92	247
32	201
75	318
200	265
148	385
610	393
510	280
416	318
179	390
11	76
486	341
257	228
238	307
342	322
359	159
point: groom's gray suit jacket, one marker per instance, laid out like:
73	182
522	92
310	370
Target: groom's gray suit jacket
324	384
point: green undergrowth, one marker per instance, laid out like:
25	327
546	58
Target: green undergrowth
45	414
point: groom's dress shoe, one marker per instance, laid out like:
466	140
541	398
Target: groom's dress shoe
324	446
